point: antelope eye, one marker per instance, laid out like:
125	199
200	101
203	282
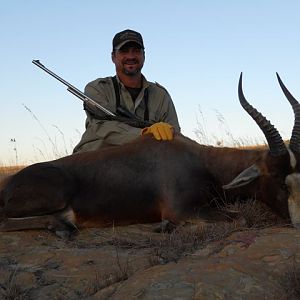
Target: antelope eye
285	187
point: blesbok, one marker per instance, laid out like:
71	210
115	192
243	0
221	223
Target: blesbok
149	181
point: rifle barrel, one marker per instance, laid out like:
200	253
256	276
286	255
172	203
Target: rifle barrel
40	65
88	100
72	89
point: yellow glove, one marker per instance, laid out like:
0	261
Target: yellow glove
161	131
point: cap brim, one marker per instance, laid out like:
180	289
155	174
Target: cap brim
128	41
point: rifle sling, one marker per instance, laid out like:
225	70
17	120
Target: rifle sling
117	93
132	122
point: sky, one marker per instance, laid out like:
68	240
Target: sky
196	49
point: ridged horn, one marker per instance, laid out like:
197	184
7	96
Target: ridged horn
275	142
295	139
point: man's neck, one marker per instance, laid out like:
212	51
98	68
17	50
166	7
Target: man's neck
131	81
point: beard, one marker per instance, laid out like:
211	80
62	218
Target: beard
132	69
132	72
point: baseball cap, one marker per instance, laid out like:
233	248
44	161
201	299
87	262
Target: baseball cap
125	36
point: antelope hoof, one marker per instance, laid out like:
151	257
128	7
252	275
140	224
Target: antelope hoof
63	230
165	226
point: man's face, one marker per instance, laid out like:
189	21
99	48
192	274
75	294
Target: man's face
129	59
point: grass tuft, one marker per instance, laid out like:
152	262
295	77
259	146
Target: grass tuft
290	282
11	289
252	213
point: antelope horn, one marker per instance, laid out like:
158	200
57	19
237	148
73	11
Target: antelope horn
275	142
295	139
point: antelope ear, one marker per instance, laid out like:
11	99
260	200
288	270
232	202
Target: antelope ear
247	176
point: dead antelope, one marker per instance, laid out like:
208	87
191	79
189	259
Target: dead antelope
150	181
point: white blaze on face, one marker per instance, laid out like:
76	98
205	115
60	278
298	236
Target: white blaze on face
293	160
293	183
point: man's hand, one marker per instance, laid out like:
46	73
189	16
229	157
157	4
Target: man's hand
161	131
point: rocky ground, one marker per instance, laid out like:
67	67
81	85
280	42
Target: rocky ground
212	261
254	257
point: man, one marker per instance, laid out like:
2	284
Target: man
129	89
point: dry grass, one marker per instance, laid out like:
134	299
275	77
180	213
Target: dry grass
186	239
290	282
12	289
10	169
252	214
6	171
53	144
224	137
122	271
164	248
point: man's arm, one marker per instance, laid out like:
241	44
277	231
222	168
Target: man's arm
100	133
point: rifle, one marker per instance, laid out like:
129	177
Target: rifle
94	108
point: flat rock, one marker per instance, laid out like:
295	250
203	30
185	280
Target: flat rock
127	263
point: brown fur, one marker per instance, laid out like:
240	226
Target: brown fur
144	181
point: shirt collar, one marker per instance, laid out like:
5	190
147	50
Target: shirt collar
145	83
